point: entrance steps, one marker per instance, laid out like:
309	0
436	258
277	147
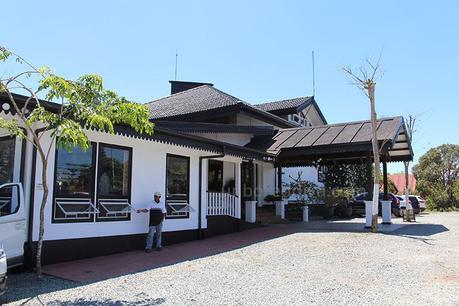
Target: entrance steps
267	215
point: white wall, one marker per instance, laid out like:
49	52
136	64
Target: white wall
312	115
245	119
268	177
148	176
228	172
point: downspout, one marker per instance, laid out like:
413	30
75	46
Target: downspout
201	158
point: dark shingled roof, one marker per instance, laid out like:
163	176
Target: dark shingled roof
290	106
202	99
294	103
197	99
343	137
161	134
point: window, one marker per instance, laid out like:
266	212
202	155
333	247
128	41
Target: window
215	176
177	186
300	119
74	185
7	145
9	200
114	182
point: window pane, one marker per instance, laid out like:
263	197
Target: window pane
215	176
177	186
177	176
6	160
113	171
74	172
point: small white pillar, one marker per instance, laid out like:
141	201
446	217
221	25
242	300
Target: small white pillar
305	213
386	212
280	208
368	213
251	211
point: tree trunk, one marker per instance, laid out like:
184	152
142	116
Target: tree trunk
41	230
375	147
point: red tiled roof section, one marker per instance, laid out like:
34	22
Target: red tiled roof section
399	181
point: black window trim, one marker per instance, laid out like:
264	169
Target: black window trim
14	138
187	216
96	184
92	189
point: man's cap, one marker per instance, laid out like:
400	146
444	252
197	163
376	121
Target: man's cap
157	194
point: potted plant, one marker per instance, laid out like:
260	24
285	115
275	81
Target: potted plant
336	198
304	192
272	198
343	198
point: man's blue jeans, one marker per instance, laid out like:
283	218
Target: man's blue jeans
151	235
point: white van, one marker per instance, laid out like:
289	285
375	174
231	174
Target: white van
13	225
13	233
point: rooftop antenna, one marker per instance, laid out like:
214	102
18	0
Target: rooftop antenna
313	76
176	58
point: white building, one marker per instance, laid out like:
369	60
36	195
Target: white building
210	153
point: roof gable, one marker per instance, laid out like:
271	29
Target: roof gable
291	106
202	98
295	104
205	100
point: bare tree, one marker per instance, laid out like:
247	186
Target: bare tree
365	81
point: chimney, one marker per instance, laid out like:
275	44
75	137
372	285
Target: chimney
179	86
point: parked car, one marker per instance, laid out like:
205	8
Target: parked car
418	203
358	204
422	202
3	269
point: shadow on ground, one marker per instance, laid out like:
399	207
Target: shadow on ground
106	302
73	274
420	230
27	287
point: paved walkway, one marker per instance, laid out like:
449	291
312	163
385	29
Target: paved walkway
104	267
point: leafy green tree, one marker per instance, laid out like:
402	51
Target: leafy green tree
437	176
84	105
347	175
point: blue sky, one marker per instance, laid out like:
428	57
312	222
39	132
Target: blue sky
257	51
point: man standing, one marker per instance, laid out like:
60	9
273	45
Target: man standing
157	211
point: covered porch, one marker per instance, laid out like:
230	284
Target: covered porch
343	143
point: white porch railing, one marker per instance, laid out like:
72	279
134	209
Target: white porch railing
223	204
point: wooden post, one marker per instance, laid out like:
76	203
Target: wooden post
386	187
279	179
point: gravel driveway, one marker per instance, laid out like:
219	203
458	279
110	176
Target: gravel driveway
417	264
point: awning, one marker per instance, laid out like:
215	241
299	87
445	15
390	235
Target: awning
345	142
